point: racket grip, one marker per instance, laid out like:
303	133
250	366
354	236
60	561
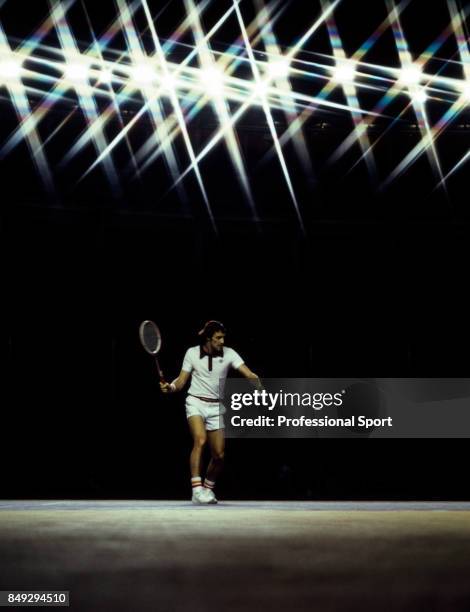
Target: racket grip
160	373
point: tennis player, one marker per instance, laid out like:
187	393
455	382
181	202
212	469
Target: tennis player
207	364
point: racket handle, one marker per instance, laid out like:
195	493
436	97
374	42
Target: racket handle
160	373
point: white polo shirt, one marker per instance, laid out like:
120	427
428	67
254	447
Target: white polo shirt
205	382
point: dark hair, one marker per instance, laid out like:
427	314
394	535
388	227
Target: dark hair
209	329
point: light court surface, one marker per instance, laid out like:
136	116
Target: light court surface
170	555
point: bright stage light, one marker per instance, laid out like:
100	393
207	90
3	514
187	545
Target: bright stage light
411	75
168	82
278	68
466	91
76	71
213	80
143	74
10	69
344	72
261	89
420	96
106	76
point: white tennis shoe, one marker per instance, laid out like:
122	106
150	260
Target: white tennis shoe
203	496
209	495
199	496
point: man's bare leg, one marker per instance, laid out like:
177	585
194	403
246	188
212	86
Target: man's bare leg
217	444
198	432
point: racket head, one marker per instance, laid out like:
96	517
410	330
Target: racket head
150	337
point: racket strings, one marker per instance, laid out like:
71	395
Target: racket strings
150	337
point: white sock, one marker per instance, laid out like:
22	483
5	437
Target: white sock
196	482
209	484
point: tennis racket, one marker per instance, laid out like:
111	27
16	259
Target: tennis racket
151	340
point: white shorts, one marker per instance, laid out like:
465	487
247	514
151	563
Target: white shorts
211	412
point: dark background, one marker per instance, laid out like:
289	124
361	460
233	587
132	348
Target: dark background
376	286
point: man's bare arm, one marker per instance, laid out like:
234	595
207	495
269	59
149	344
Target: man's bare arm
177	385
251	376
